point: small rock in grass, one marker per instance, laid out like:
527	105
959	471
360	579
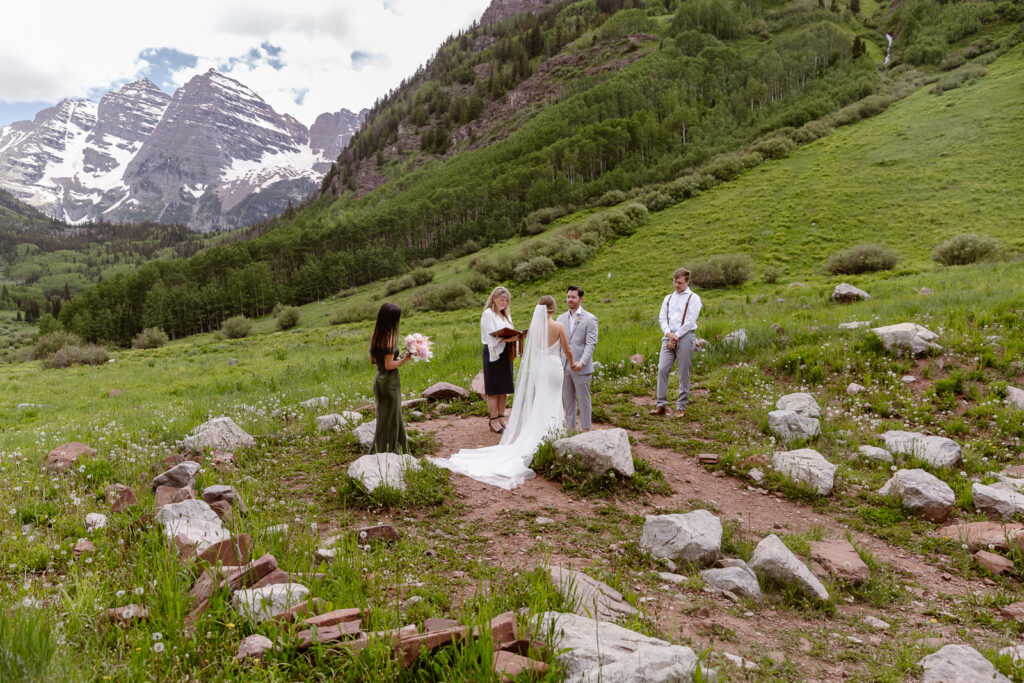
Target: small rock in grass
840	558
253	647
773	561
845	293
94	521
997	564
120	497
875	453
853	389
876	623
809	466
692	537
60	459
922	492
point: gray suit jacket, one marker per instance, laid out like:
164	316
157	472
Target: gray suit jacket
582	341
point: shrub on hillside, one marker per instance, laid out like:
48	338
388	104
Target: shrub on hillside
964	249
626	220
729	165
721	270
691	185
535	268
546	215
656	201
776	147
149	338
863	258
398	285
811	131
477	282
966	74
49	344
236	327
48	324
288	318
354	312
421	276
611	198
66	356
447	297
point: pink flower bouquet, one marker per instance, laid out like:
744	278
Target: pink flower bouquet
419	347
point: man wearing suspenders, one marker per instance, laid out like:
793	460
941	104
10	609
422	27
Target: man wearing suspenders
678	320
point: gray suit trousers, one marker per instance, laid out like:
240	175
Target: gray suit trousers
576	386
682	355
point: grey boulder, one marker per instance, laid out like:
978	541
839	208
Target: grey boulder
800	403
845	294
921	492
937	451
600	450
365	433
789	426
907	337
181	476
774	562
959	664
219	434
692	537
807	465
590	597
1015	398
195	520
386	469
260	604
592	651
875	453
737	580
1001	500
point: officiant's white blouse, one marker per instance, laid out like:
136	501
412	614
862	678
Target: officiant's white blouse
492	322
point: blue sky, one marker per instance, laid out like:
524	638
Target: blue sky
304	57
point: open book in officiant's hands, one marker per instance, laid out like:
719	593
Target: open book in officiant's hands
506	332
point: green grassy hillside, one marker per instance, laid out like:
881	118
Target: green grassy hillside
931	166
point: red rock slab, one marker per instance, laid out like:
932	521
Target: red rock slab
120	497
335	617
444	390
234	578
1014	612
253	647
223	510
185	546
997	564
503	629
326	634
509	665
83	546
165	495
840	558
311	606
232	551
61	459
409	646
978	535
126	615
437	624
183	495
375	534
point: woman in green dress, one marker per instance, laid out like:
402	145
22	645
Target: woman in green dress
387	386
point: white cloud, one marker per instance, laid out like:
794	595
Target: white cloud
59	49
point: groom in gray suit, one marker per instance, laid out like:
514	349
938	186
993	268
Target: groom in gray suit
581	328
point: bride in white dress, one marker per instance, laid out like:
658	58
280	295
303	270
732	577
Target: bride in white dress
536	412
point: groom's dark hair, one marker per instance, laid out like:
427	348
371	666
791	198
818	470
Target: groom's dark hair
574	288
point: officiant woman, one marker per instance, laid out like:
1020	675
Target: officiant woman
497	356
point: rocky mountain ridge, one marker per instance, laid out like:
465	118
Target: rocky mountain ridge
213	155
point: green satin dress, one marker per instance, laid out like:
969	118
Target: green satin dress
390	435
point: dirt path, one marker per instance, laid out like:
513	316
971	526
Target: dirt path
819	645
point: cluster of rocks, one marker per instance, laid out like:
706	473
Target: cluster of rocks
696	538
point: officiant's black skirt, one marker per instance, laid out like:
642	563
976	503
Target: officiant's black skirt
497	375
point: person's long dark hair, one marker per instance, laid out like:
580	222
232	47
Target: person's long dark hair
385	331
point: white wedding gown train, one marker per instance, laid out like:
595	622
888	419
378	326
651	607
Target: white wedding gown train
536	413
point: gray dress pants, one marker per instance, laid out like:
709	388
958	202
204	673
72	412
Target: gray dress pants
682	355
576	387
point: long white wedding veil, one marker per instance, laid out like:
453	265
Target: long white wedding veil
528	381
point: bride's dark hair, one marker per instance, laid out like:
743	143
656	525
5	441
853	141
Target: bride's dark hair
548	302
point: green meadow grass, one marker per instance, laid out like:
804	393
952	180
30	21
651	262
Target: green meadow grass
930	167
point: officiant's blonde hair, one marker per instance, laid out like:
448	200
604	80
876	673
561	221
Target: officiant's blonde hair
548	302
498	292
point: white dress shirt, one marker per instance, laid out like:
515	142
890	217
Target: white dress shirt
492	322
671	314
575	319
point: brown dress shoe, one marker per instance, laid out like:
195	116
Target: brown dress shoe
680	412
659	410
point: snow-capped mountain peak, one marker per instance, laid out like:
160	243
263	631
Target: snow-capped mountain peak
214	154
